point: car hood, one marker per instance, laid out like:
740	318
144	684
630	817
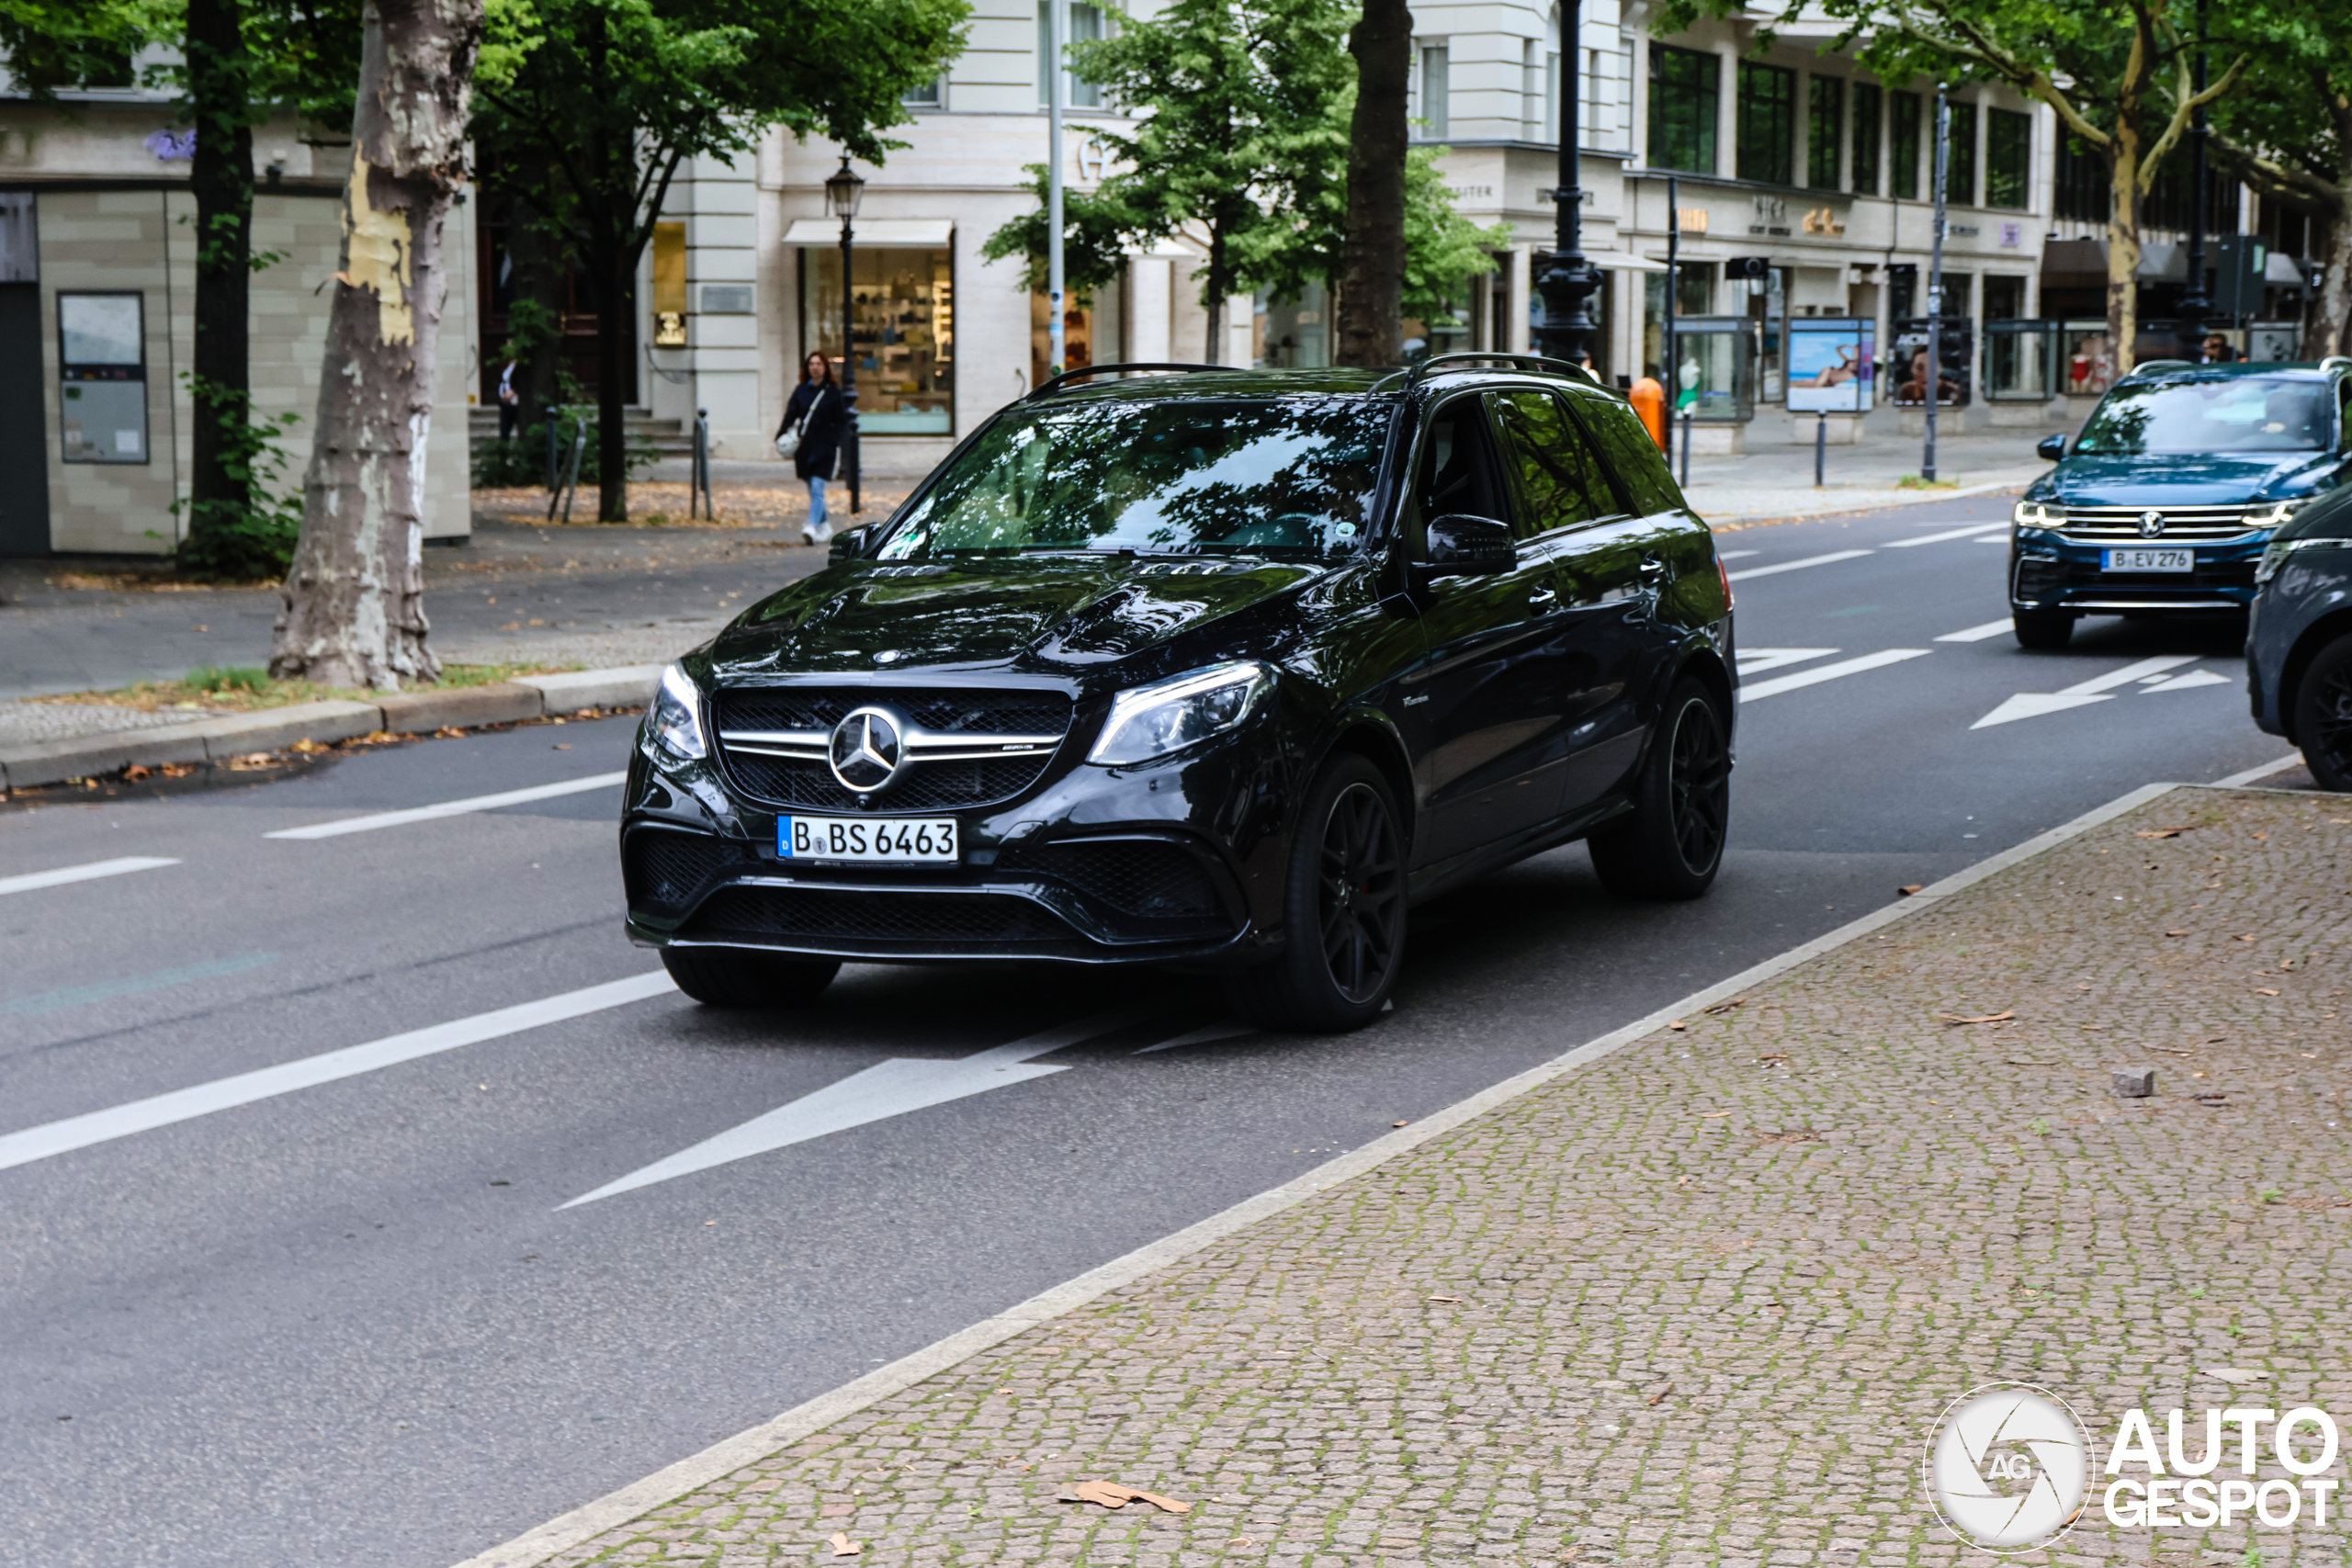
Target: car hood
1040	612
2196	480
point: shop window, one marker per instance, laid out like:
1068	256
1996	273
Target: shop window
1823	123
1085	27
1685	87
2008	158
1767	122
1864	166
1903	141
1297	335
1694	295
903	327
1960	175
102	371
669	286
2004	297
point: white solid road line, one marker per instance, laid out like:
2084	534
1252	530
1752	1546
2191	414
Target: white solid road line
1813	677
1950	533
2240	780
1978	634
883	1090
1796	565
66	874
222	1094
1756	660
448	808
2082	694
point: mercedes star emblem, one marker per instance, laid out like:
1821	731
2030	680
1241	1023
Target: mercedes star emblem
2152	523
867	750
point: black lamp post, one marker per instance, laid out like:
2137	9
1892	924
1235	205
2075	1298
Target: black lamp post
1567	279
2195	303
842	193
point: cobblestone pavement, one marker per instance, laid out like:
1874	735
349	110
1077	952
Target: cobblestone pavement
1700	1302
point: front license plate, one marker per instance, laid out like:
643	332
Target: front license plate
2151	560
896	841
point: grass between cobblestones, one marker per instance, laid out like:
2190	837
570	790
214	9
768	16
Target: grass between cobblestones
1701	1302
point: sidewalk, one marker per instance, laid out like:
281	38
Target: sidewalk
1698	1301
1774	478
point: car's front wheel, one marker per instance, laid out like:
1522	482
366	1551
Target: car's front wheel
733	977
2043	630
1671	843
1344	908
2323	715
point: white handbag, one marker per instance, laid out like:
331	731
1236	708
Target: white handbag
787	441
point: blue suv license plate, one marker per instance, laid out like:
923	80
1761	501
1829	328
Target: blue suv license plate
2148	561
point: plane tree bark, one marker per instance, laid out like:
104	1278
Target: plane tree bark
1370	329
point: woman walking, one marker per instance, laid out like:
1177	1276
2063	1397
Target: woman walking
814	422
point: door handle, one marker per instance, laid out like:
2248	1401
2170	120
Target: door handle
1542	596
1652	570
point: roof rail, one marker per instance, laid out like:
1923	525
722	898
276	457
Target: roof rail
2148	364
2334	362
1054	384
1516	362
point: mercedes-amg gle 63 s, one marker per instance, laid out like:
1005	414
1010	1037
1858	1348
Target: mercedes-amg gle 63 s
1216	671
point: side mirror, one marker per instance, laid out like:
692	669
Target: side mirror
1461	545
2051	447
849	543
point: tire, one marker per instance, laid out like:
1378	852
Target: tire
734	977
1343	905
2323	715
2043	630
1671	843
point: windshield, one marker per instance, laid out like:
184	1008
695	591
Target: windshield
2248	414
1286	476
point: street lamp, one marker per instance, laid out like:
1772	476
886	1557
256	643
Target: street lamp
1568	280
843	190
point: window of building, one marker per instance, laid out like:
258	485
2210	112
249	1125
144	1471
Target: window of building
1085	27
1435	82
2004	294
1685	87
1767	122
1864	164
928	95
1960	175
1903	143
669	286
902	325
1823	123
2008	158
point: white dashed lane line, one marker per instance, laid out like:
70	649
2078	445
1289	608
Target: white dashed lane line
1819	673
1950	533
96	868
1779	567
1977	634
448	808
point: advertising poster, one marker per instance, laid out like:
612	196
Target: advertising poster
1830	365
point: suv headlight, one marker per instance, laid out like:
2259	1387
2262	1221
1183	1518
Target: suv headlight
2271	514
1167	716
2036	515
675	718
2274	557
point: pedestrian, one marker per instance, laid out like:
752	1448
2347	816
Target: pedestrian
2217	351
510	401
814	423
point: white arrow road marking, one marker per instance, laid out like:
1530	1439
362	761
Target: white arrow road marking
2082	694
1797	565
1813	677
66	874
1978	634
1736	555
202	1100
2187	679
1756	660
876	1094
447	808
1949	534
1209	1036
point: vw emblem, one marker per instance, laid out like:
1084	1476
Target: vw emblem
2151	525
866	749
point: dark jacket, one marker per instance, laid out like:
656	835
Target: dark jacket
822	433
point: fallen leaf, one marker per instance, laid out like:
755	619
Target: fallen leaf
2176	933
1773	1057
2001	1017
136	772
564	746
1677	1023
2245	939
2265	991
2160	833
1661	1393
1112	1494
1908	889
844	1547
1396	1123
1448	1299
1712	1115
1724	1007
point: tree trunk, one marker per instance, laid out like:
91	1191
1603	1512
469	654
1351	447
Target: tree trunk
2123	247
221	178
2332	310
1219	288
1372	252
353	601
615	268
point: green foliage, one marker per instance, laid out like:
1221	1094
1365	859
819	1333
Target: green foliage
522	460
1444	250
235	678
231	543
1095	227
51	45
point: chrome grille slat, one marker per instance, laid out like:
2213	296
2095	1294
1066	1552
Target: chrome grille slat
977	747
2201	523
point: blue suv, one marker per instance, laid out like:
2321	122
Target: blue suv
2172	491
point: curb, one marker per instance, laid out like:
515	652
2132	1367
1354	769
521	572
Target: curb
1837	506
274	729
535	1546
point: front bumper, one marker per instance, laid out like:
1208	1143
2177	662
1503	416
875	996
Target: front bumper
2050	571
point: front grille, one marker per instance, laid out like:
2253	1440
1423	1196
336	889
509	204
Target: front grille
662	870
1150	881
912	918
805	781
2121	524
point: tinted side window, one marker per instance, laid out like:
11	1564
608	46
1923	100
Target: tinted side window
1559	478
1625	445
1457	466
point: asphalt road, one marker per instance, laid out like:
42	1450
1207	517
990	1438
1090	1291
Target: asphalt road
353	1322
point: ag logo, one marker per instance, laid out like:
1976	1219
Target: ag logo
2007	1467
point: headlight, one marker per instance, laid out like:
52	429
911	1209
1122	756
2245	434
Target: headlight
1167	716
2271	514
2034	514
2276	556
675	718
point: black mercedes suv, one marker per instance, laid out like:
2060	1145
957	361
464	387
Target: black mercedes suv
1213	670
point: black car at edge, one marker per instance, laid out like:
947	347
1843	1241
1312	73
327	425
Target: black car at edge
2299	640
1211	669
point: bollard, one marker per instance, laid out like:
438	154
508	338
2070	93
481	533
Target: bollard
698	485
1685	449
1820	447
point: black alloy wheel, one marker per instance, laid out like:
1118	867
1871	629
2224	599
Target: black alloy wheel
741	977
1344	908
2324	717
1671	844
